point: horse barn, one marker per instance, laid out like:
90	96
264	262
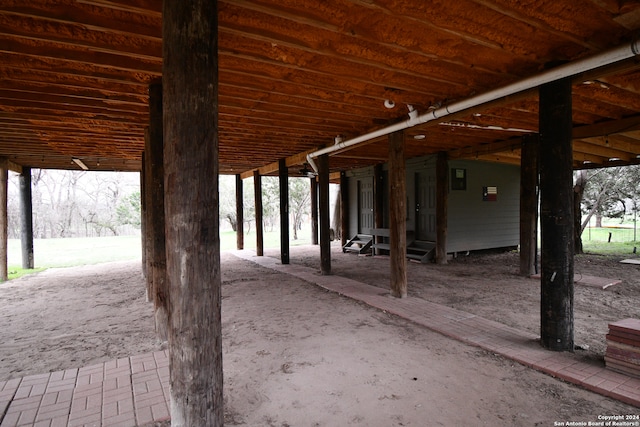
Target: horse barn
445	123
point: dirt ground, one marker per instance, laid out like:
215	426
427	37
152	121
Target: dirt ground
297	355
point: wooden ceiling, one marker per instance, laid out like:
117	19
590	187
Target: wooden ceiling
294	74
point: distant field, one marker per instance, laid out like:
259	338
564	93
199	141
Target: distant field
93	250
50	253
610	240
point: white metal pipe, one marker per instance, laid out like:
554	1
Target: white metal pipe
600	60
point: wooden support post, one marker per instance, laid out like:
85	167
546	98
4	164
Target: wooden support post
4	224
283	179
148	234
143	223
344	209
156	215
257	192
325	234
378	195
556	216
26	218
397	215
190	92
442	206
239	213
529	205
314	211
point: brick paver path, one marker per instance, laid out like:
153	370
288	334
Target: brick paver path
132	391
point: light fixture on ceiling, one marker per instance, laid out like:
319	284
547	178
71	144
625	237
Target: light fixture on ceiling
80	163
389	104
419	136
614	159
602	85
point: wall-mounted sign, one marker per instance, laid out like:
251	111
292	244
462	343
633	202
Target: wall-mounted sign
489	194
458	179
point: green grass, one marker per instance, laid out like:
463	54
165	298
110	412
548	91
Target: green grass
271	239
597	241
49	253
70	252
77	251
613	248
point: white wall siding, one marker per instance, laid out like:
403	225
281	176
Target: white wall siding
477	224
473	224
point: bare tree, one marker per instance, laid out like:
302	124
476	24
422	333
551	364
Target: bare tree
604	193
74	203
299	202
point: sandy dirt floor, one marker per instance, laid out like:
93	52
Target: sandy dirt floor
297	355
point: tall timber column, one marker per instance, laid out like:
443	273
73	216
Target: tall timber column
26	218
344	209
314	210
556	216
378	199
155	212
4	221
397	215
143	221
257	193
283	180
528	205
190	83
325	221
239	213
442	206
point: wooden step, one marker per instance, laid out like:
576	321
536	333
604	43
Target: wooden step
361	244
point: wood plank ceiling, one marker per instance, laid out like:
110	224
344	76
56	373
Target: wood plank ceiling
294	74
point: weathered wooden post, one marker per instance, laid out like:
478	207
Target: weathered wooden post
257	193
148	229
344	208
556	216
155	214
190	92
378	198
283	180
397	215
4	224
325	222
442	206
26	218
528	205
239	213
314	210
143	222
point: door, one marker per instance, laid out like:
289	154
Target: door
425	183
365	205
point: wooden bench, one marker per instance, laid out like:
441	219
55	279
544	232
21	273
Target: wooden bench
380	232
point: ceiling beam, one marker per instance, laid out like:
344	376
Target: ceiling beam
610	127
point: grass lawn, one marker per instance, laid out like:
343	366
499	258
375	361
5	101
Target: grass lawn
609	240
70	252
